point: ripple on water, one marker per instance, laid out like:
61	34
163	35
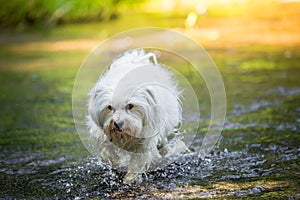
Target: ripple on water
87	178
283	91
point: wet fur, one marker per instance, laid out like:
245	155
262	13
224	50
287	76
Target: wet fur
156	111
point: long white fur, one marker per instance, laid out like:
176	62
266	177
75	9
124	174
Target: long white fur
134	79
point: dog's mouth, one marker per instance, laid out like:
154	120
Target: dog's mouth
118	130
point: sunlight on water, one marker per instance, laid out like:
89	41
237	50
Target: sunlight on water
257	156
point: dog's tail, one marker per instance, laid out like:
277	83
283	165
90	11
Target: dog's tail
136	57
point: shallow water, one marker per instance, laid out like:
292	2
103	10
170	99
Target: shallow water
258	155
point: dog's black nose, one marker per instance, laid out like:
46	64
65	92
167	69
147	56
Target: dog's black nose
118	124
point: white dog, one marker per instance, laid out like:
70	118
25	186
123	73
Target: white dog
132	109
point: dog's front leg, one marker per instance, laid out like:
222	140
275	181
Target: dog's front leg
139	163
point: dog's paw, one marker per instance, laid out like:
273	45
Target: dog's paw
132	178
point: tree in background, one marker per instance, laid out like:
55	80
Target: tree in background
52	12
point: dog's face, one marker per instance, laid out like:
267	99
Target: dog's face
125	115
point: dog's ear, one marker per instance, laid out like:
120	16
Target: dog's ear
92	108
151	96
155	112
95	93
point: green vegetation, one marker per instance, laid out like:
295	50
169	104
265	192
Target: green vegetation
49	13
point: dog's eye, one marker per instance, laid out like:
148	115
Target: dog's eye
109	107
129	106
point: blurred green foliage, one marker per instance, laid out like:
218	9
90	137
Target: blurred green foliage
52	12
